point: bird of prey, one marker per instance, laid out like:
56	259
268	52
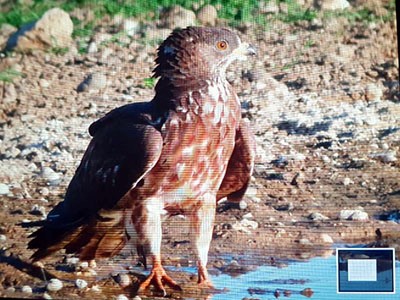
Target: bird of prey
181	152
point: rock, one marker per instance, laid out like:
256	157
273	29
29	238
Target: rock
347	181
5	31
350	214
248	216
130	26
54	285
47	296
92	48
326	238
44	83
243	205
316	216
207	15
4	189
123	280
269	7
95	288
26	289
304	241
10	94
72	260
52	177
373	92
136	298
386	157
38	210
244	226
81	284
332	4
122	297
53	29
93	82
3	238
178	17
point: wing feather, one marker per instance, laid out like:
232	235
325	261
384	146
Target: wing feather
123	150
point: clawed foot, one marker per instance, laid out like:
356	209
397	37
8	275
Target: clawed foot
158	277
204	280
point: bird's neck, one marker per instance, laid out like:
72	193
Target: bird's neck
172	93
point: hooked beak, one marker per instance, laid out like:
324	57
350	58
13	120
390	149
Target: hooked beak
245	50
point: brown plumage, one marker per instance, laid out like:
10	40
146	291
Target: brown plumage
180	152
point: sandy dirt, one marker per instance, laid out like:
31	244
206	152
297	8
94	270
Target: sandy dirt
323	101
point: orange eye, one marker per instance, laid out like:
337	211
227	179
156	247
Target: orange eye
222	45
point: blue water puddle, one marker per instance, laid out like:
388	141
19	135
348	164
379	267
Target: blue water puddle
317	274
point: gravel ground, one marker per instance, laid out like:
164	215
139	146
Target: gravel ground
322	98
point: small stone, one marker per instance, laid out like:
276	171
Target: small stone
122	297
353	214
47	296
316	216
44	191
248	216
10	94
207	15
95	288
373	92
3	238
333	4
38	210
52	177
44	83
178	17
93	82
54	285
130	27
347	181
84	265
304	241
269	7
72	260
10	289
386	157
4	189
123	280
307	292
81	284
242	205
26	289
326	238
92	48
136	298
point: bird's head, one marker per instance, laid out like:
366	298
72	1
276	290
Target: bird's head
199	53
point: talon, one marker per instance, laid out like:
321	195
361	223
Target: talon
204	280
158	277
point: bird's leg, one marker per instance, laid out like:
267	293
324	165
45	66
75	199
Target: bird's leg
202	222
148	226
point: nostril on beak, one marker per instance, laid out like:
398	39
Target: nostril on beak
251	50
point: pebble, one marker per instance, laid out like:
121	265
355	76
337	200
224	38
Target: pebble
47	296
95	289
3	238
122	297
242	205
123	280
93	82
54	285
248	216
81	284
72	260
353	214
136	298
207	15
304	241
347	181
373	92
38	210
386	157
326	238
316	216
52	177
130	26
92	48
26	289
4	189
